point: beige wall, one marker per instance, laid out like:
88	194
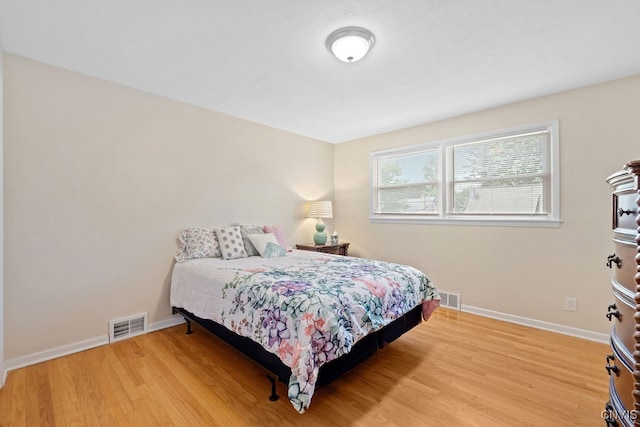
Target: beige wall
519	271
99	180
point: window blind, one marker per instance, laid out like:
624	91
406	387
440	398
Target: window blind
501	176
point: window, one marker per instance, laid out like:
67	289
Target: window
504	177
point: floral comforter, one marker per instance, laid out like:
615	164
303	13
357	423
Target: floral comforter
307	308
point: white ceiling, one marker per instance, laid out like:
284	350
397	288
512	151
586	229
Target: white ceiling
266	61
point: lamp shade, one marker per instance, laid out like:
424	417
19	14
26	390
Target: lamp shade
320	209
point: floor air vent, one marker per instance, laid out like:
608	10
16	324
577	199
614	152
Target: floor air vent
131	326
450	300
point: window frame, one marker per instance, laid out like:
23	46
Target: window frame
445	190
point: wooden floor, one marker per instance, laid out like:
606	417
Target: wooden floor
456	369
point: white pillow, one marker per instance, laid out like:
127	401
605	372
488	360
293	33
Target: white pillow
230	241
267	245
197	242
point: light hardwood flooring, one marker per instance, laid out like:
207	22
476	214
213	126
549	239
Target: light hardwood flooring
457	369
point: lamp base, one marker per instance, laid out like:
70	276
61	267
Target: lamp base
320	238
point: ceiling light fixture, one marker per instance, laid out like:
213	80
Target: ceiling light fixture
350	44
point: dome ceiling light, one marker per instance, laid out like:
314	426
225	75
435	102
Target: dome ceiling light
350	44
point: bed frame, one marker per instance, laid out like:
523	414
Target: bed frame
361	350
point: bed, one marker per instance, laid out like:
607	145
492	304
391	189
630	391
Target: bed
305	316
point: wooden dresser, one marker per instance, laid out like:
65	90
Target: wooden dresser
623	364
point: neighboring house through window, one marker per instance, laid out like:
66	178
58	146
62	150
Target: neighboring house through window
504	177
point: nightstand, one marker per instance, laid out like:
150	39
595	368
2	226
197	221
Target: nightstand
339	249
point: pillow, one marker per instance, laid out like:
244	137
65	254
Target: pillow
197	242
245	230
267	245
230	241
277	231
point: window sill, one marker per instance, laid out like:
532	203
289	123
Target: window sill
479	222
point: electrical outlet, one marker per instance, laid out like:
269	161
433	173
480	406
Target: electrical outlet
570	304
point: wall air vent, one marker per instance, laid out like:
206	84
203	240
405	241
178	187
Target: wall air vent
127	327
450	300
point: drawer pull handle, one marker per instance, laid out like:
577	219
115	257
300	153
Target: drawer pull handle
624	212
611	368
615	314
613	258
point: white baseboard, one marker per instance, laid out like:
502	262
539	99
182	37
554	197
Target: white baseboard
65	350
166	323
539	324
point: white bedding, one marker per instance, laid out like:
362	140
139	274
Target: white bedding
197	285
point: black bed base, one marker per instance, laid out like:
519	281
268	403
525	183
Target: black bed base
328	372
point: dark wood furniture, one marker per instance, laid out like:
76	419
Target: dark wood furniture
623	364
338	249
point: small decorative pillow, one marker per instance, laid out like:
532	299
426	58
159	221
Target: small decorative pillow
197	242
277	231
245	230
230	241
267	245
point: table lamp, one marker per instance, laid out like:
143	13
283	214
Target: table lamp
320	209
